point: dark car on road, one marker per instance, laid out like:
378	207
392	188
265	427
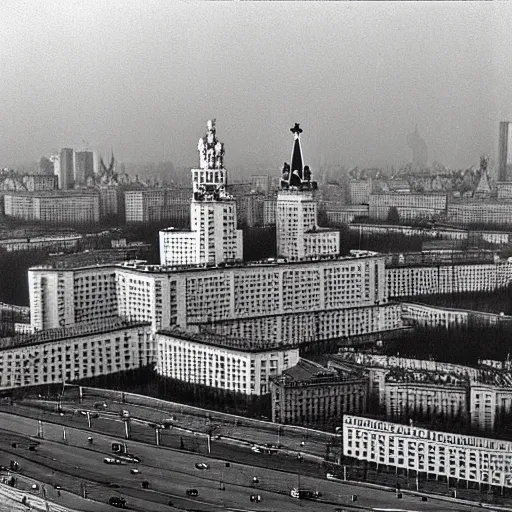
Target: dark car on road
115	501
192	492
255	498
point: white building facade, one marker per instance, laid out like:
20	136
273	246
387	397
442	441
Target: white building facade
214	237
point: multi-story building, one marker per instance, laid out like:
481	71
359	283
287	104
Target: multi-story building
409	206
269	212
78	352
262	183
57	207
213	237
109	201
359	191
301	301
310	394
84	166
157	204
40	182
297	231
238	365
249	209
66	168
505	152
66	296
477	212
336	216
54	242
474	459
447	277
412	388
504	189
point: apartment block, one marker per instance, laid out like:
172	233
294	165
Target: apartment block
410	206
234	364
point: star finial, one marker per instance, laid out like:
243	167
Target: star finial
296	129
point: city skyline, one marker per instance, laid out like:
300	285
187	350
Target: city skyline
358	77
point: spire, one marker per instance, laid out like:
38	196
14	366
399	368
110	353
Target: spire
297	175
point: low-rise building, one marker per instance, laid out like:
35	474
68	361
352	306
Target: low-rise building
310	394
345	214
238	365
410	206
479	212
504	189
67	354
40	182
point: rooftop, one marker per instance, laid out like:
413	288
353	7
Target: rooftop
212	339
74	331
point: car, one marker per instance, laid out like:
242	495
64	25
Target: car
133	458
115	501
202	465
332	476
192	492
255	498
57	487
255	480
109	460
134	471
145	484
256	449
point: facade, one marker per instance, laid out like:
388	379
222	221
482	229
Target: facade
71	353
109	201
236	365
213	237
58	207
408	281
409	206
40	182
269	212
262	183
67	296
344	215
474	459
297	231
57	243
310	394
66	169
480	213
408	388
504	189
359	191
301	302
84	167
157	204
505	152
249	209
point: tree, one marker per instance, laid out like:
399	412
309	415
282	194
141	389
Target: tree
393	215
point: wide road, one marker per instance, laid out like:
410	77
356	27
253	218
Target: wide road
72	463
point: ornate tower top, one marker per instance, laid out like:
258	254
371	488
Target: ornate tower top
298	176
210	180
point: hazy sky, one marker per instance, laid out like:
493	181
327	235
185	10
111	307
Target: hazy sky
144	77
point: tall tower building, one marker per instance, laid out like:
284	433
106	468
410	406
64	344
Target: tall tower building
505	152
214	237
67	168
84	167
297	231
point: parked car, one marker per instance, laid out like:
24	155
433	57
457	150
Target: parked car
192	492
134	471
255	498
202	465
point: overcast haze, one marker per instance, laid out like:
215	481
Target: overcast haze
144	76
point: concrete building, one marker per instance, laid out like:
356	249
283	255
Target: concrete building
336	216
474	459
84	167
237	365
504	190
53	242
53	207
78	352
359	191
477	212
409	206
310	394
40	182
157	204
297	231
213	237
505	152
269	212
66	169
412	388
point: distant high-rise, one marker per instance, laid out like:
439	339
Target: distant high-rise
505	152
67	168
419	150
84	167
